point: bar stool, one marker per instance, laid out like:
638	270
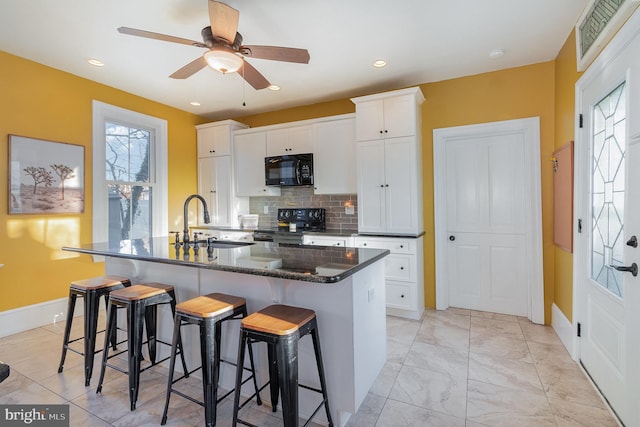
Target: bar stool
208	312
91	290
281	327
141	302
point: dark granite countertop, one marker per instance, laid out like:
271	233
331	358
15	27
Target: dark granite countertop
320	264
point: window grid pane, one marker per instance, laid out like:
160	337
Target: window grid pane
608	187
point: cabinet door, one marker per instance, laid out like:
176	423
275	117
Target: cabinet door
334	154
399	116
401	186
249	151
370	120
371	186
214	141
214	184
294	140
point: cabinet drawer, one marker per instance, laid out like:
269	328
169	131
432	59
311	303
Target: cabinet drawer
400	267
400	295
395	245
326	241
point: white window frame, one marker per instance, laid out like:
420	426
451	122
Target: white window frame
102	113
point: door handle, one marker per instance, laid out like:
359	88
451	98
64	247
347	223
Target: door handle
633	268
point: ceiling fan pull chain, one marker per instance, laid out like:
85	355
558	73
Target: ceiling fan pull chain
244	85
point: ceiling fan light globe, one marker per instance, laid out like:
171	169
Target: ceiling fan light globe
223	60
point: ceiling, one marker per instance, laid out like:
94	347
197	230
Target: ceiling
422	40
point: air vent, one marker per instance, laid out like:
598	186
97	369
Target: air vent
600	20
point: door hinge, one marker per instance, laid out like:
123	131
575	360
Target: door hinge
580	121
579	225
579	330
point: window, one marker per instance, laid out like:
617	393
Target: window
129	175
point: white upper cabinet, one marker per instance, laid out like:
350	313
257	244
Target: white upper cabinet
291	140
249	151
384	116
214	139
214	184
389	163
334	156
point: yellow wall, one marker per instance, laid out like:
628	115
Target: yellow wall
41	102
566	77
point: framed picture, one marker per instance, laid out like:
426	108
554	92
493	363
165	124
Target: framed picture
45	177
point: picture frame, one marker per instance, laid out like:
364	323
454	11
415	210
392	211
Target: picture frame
45	177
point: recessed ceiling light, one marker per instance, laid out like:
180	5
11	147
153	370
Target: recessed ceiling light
274	87
195	103
379	63
496	54
95	62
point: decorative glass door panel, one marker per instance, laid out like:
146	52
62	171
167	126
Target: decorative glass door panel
608	187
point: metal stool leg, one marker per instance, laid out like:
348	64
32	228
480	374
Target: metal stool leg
134	331
176	333
323	384
287	361
91	302
112	320
244	340
71	304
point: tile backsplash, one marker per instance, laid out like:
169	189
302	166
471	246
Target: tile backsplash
303	197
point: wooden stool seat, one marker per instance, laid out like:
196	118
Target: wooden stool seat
90	290
211	305
278	319
100	282
139	292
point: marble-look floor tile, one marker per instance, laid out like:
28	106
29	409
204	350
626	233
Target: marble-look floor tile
504	372
397	350
368	412
438	358
500	346
78	417
459	311
550	355
442	392
386	379
399	414
403	330
570	414
501	406
569	384
540	333
33	393
445	329
494	316
483	327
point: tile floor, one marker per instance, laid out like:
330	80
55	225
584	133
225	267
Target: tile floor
452	368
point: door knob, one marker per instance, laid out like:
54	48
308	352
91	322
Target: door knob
452	238
633	268
633	242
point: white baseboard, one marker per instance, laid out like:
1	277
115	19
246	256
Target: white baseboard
564	328
34	316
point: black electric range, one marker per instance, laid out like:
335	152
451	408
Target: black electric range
291	223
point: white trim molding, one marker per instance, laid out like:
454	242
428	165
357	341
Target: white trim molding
564	329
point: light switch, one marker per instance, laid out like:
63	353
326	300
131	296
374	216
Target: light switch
266	209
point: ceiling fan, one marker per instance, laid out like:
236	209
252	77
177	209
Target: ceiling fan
225	51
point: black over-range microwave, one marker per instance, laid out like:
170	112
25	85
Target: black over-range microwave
289	170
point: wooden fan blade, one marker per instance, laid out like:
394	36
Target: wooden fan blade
253	76
158	36
190	69
277	53
224	20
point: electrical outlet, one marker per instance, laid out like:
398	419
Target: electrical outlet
349	210
371	293
266	209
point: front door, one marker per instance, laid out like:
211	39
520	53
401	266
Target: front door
608	212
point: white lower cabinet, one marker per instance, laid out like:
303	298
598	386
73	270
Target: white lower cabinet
404	273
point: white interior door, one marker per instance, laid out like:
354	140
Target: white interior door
607	300
488	224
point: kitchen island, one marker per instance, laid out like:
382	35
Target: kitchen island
344	286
